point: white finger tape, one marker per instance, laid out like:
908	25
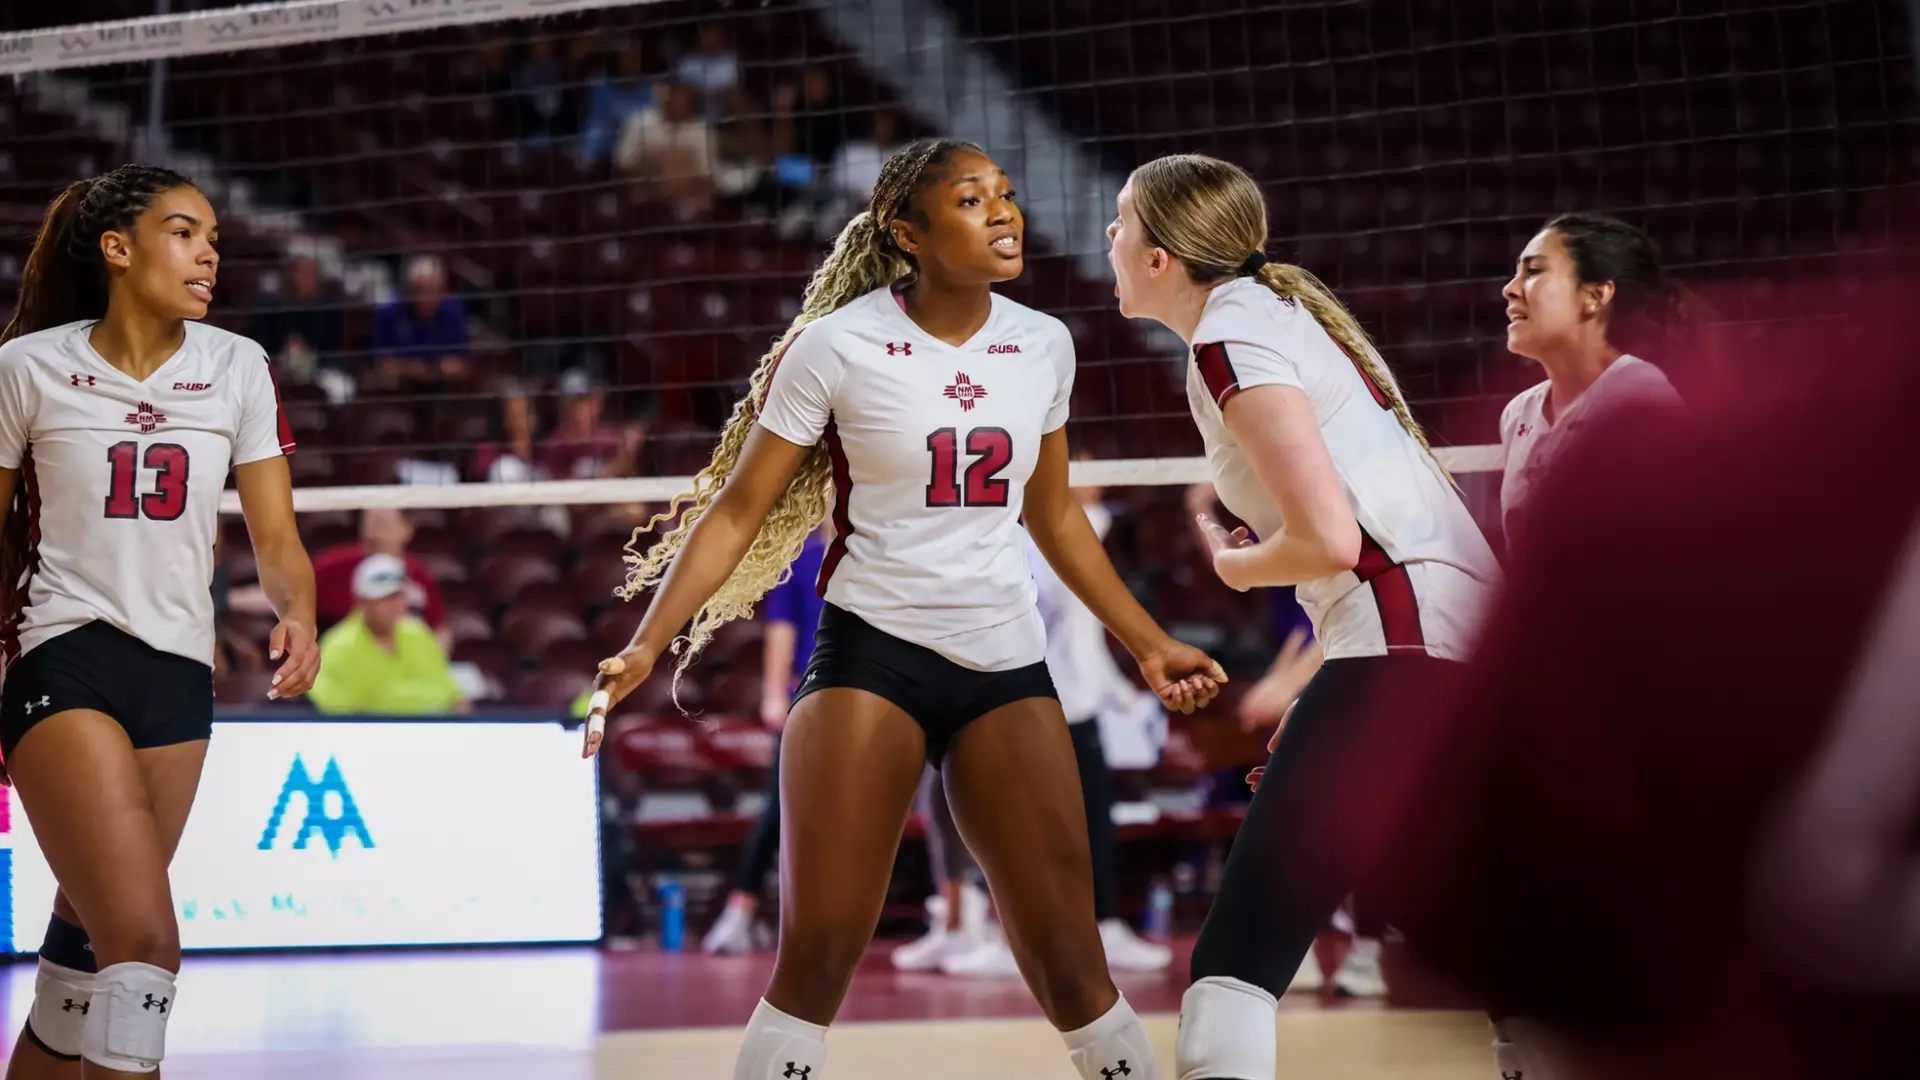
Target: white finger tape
597	707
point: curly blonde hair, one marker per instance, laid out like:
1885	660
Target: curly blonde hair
864	258
1211	214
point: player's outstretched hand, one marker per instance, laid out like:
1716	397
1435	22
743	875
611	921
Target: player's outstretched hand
1185	678
1220	542
294	645
618	677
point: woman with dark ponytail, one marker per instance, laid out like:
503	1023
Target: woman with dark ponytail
1586	295
121	416
934	411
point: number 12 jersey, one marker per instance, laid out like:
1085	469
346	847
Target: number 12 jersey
123	479
931	445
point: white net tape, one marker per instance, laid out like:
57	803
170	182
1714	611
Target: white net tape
257	26
1121	472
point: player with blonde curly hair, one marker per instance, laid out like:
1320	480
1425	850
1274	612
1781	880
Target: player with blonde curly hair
934	411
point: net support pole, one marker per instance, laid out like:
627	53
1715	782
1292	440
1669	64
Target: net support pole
156	89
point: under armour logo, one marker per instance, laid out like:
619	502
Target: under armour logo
45	700
81	380
1525	430
801	1071
903	348
1121	1071
72	1005
156	1003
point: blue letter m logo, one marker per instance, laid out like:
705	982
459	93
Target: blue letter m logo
332	828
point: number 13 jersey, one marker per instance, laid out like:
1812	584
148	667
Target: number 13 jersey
931	446
123	479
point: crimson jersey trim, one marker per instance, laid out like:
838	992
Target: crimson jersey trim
1393	595
1217	370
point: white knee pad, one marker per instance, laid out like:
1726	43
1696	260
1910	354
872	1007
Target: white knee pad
126	1028
61	998
1226	1030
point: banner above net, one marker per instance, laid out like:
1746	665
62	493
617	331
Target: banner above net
257	26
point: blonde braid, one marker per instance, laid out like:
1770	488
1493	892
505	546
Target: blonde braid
864	258
1212	215
1297	283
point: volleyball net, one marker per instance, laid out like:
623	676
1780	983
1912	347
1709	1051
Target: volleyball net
522	255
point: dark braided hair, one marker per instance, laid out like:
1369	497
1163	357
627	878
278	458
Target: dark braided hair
864	258
1646	304
65	279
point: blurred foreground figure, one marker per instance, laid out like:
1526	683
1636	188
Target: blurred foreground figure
1618	804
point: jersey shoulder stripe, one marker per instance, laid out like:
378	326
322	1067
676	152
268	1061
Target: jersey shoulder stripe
1216	370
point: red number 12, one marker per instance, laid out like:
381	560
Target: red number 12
993	448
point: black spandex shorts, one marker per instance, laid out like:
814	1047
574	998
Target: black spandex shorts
161	698
940	695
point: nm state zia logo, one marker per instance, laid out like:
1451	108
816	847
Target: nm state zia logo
146	418
965	391
332	818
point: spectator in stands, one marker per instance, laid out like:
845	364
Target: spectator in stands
619	94
584	446
856	168
539	94
511	460
301	331
380	659
382	532
712	67
743	160
823	123
422	338
668	148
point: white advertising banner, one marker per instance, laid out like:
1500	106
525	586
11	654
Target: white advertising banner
317	833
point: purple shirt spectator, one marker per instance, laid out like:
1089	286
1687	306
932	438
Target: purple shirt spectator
399	330
797	601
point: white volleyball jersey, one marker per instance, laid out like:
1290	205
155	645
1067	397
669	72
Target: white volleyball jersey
931	445
123	478
1529	441
1425	571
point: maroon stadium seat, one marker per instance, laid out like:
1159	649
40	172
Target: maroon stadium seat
503	577
529	631
550	689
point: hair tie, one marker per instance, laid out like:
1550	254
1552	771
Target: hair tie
1252	266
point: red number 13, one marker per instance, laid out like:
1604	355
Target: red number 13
168	499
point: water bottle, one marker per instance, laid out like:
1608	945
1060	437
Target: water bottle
1160	910
673	916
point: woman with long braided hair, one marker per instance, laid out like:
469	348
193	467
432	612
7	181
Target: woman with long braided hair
934	411
1309	440
120	418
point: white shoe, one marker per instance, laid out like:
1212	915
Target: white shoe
989	959
1360	974
928	951
1309	978
731	933
1127	951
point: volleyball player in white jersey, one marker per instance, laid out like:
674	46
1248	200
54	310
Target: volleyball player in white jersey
120	419
1586	287
935	411
1308	441
1584	290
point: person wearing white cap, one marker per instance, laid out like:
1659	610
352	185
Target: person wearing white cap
382	659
